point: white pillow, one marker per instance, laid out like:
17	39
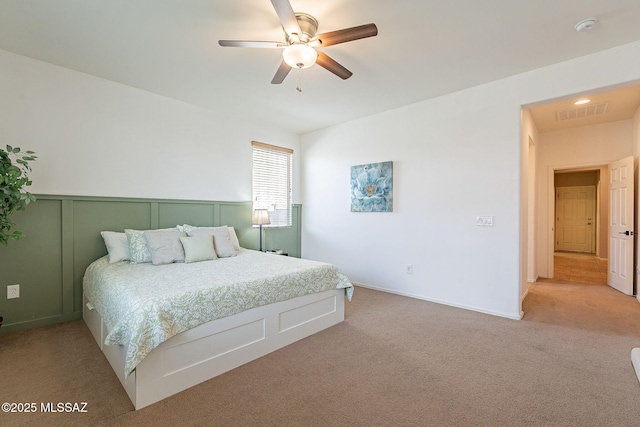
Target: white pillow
198	248
221	240
189	229
117	246
234	239
138	249
165	246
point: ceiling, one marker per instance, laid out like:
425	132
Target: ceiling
424	49
603	107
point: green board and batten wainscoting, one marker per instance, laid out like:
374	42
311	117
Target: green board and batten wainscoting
63	238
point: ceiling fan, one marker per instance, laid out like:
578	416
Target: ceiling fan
301	40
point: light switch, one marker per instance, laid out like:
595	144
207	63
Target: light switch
484	221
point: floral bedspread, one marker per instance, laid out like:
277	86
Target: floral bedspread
144	305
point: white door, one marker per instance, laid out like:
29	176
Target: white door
621	223
575	218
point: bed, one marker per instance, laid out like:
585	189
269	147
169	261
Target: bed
165	328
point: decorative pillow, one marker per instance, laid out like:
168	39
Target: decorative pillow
221	241
198	248
232	233
234	239
188	228
165	246
117	246
138	250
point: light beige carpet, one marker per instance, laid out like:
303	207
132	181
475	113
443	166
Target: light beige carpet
395	361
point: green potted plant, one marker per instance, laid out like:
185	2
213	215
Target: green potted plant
14	177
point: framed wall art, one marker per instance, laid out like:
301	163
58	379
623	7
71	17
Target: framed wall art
372	187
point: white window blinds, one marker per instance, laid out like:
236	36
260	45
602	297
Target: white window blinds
272	172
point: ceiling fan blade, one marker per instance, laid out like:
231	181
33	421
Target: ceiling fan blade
329	64
282	72
248	43
287	17
347	34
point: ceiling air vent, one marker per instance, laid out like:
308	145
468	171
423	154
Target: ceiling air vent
578	112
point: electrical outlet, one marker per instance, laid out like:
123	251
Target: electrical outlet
13	291
484	221
409	269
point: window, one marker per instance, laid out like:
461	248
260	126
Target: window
272	172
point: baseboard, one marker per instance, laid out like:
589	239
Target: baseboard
420	297
37	323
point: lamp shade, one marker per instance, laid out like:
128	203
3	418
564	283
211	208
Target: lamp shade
299	55
261	217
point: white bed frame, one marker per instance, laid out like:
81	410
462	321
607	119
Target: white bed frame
635	361
213	348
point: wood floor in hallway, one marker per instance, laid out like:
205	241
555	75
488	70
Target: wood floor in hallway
580	267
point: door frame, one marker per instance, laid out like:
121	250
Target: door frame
551	205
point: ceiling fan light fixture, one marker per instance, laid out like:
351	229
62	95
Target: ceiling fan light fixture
299	55
300	40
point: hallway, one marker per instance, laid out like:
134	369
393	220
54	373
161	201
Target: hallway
579	267
578	297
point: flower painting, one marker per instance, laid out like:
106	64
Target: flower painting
372	187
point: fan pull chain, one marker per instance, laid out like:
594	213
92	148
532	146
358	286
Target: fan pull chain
298	87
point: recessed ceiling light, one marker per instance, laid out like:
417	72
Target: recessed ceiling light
582	101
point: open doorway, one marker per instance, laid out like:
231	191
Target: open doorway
576	207
616	195
581	207
569	140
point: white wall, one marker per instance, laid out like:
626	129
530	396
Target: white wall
528	142
100	138
455	157
572	148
